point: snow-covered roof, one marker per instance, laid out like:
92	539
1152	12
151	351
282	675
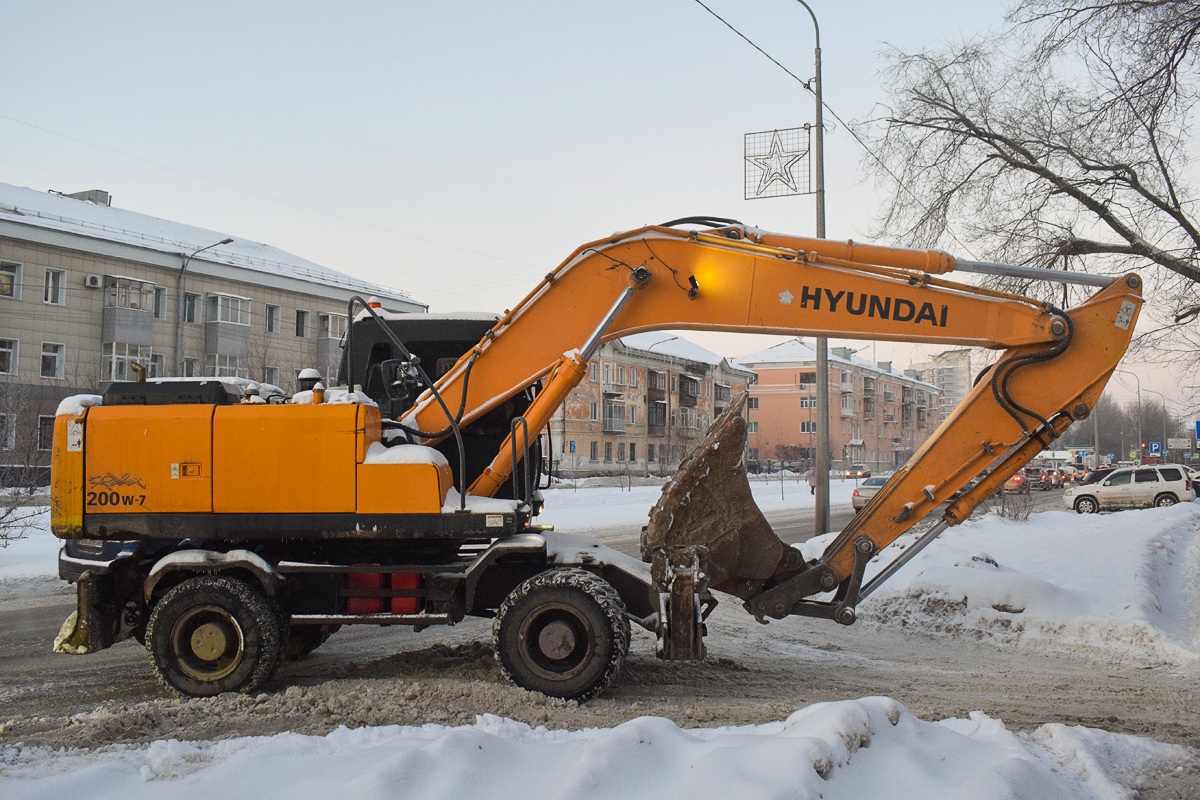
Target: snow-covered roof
798	351
677	346
85	218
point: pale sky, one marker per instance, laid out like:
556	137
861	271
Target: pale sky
457	151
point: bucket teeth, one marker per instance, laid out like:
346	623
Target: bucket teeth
708	503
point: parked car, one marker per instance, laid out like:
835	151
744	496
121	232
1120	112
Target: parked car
1133	487
858	471
866	490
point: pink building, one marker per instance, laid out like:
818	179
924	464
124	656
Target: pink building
878	416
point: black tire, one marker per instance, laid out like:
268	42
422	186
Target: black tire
1086	505
303	639
563	632
213	634
1165	500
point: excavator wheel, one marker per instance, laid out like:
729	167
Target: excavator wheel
563	632
213	634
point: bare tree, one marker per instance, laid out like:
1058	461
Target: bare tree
1061	142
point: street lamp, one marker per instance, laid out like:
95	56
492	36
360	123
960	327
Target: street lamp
1163	444
1139	397
182	287
821	516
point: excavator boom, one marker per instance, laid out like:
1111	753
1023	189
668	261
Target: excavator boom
1052	371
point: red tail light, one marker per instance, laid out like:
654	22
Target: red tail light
856	492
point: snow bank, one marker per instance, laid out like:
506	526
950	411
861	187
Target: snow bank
871	747
1118	583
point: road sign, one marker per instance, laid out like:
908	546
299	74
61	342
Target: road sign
1179	443
1198	429
572	445
1155	448
1109	456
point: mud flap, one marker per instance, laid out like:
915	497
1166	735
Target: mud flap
88	629
709	504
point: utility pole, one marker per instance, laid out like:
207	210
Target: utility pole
821	515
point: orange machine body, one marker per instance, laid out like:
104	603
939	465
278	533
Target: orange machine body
238	459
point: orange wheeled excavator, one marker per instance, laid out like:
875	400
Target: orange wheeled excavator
226	535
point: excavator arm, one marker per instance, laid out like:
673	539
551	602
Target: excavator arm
1052	371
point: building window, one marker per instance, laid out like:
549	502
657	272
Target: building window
806	378
752	403
45	433
218	366
8	356
808	402
808	426
191	368
594	452
271	376
595	412
332	326
122	292
594	373
632	379
156	367
608	452
633	451
621	376
751	427
10	280
52	360
54	292
301	323
160	303
649	452
8	431
191	307
117	357
633	415
608	373
674	383
621	451
272	319
229	308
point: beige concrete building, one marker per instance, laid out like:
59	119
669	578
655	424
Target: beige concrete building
878	415
647	401
87	289
950	371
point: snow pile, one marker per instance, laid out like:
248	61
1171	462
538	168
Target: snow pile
1113	583
871	747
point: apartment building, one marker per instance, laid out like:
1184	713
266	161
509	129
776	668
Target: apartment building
878	415
86	290
950	371
647	401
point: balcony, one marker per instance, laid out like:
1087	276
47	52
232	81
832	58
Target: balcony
846	385
613	424
689	390
889	397
610	388
847	412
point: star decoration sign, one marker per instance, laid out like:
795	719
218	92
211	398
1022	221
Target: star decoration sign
777	163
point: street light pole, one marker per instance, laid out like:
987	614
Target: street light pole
1139	397
1163	444
821	515
182	288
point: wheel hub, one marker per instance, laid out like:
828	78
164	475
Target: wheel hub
208	641
557	640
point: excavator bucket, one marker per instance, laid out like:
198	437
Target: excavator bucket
708	505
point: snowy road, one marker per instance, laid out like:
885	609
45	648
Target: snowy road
1108	640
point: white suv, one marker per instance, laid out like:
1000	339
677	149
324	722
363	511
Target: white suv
1133	487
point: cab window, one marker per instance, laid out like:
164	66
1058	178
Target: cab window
1120	479
1171	475
1146	476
